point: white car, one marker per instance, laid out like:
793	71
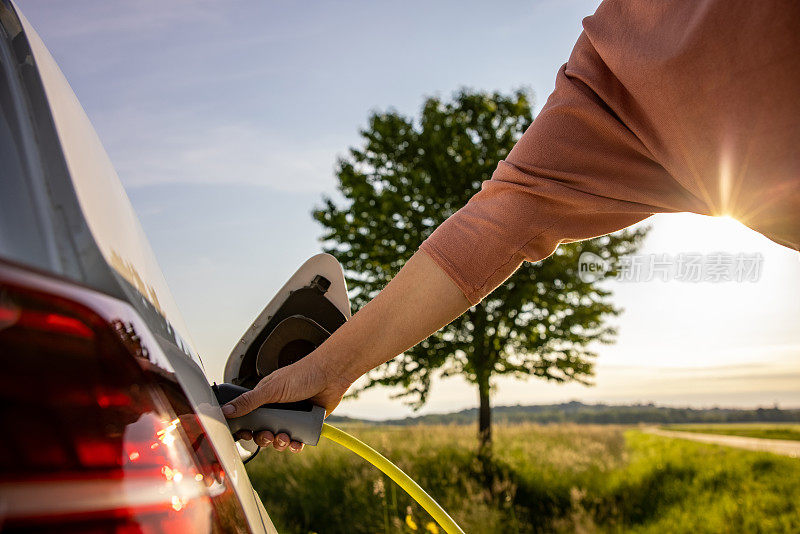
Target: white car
109	423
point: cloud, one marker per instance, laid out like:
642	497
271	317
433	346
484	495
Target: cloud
89	18
227	154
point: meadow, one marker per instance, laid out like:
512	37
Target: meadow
539	478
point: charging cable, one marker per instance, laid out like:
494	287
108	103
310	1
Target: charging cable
305	422
395	473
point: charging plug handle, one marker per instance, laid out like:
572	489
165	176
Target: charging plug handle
301	421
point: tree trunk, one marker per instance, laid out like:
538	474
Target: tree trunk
481	359
484	413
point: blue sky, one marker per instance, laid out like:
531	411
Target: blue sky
224	121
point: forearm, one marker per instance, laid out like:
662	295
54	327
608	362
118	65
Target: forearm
417	302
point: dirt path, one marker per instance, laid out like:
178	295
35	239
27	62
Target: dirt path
778	446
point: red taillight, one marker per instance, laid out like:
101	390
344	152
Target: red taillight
97	436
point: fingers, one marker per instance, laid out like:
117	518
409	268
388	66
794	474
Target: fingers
281	442
280	386
243	404
264	438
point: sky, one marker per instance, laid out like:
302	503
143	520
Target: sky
224	121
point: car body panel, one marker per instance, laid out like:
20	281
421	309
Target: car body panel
95	237
103	201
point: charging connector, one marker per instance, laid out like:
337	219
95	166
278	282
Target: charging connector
300	420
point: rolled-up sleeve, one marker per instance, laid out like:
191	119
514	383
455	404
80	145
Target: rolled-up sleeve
579	171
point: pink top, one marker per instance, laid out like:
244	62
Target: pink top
687	105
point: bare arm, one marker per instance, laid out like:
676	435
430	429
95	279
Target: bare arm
417	302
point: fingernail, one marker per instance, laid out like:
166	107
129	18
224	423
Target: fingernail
229	409
265	442
281	442
294	448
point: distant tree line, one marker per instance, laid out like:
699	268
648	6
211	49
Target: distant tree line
600	414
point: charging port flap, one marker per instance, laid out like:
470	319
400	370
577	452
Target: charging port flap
304	312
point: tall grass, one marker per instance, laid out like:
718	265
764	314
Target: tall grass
557	478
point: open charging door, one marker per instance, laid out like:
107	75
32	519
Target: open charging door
309	307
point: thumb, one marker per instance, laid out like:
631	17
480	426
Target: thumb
272	388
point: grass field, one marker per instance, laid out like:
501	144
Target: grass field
552	478
752	430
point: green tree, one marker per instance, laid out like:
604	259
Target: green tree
406	179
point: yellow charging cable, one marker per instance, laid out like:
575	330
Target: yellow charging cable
395	473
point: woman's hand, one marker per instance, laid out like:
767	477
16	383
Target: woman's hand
309	378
